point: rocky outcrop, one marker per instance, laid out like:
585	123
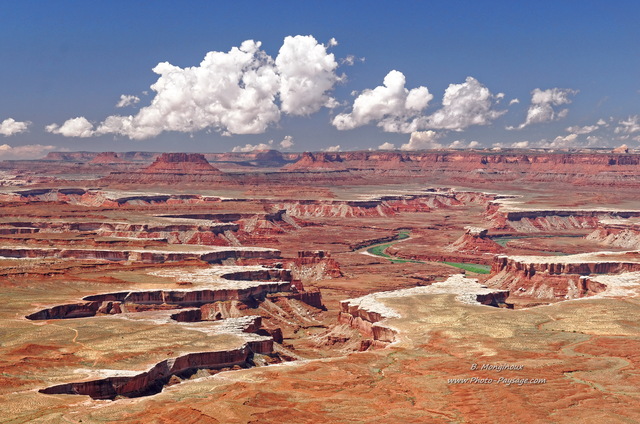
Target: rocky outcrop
581	264
171	168
180	163
173	231
541	220
221	229
623	149
558	277
317	161
475	240
617	233
250	228
169	299
152	381
243	286
314	265
311	297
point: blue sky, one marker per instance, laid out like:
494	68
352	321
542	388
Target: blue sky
572	66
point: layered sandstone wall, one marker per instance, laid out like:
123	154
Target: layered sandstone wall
557	277
151	381
121	302
102	198
145	256
583	264
379	206
550	220
617	234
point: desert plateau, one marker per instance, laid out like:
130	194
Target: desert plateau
249	212
155	286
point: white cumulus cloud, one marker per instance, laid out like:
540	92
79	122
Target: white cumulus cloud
387	146
629	126
74	127
460	144
251	147
241	91
422	140
30	151
11	127
542	106
520	144
127	100
566	141
333	148
464	105
391	106
286	143
397	109
587	129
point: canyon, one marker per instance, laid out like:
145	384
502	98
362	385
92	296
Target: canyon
320	286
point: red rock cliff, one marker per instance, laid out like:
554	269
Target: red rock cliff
181	163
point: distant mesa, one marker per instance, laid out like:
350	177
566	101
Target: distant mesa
169	168
269	158
622	149
181	163
108	157
70	156
105	157
318	161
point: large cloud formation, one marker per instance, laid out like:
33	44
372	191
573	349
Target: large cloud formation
422	140
391	105
397	109
11	127
464	105
242	91
74	127
542	105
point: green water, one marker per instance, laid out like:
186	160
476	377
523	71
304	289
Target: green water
477	268
378	250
